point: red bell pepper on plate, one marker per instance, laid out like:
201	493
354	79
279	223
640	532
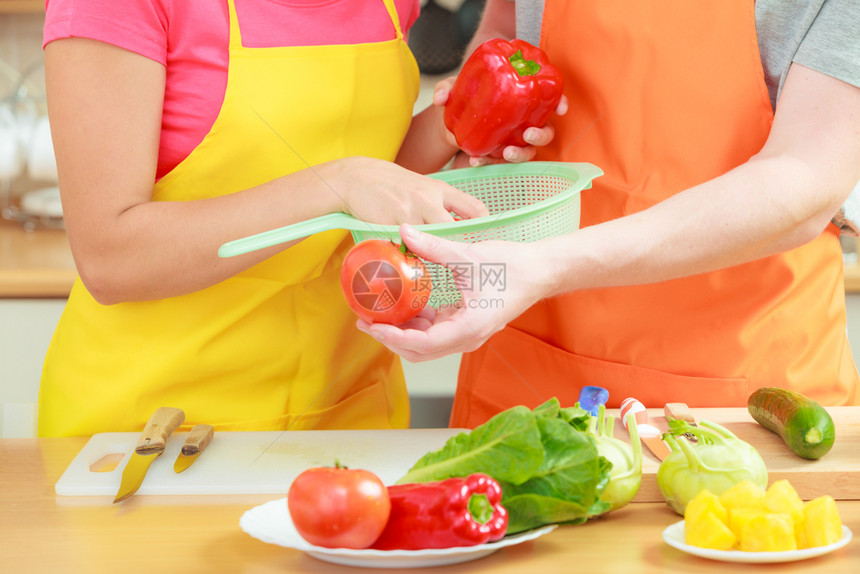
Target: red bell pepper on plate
444	514
503	89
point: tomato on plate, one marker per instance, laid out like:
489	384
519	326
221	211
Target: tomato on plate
339	507
384	283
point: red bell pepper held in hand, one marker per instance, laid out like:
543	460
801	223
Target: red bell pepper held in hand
503	88
445	514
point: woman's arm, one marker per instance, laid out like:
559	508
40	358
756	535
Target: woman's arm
105	104
497	21
781	198
429	146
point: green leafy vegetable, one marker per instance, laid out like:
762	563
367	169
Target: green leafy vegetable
548	466
508	447
717	461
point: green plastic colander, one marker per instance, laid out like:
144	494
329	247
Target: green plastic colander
527	202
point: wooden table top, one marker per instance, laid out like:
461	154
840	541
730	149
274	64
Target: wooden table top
40	532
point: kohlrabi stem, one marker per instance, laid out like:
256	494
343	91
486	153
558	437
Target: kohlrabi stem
689	452
609	426
722	431
601	420
592	427
635	443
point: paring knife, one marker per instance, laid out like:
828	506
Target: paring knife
649	434
681	411
151	444
196	442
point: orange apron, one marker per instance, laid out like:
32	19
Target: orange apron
274	347
664	96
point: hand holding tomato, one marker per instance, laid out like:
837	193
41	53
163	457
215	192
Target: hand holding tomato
338	507
384	283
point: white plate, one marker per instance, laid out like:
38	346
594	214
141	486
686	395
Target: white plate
270	522
674	536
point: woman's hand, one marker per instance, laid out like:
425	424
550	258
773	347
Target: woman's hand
535	137
498	281
381	192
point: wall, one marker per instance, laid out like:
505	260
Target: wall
22	88
26	326
20	45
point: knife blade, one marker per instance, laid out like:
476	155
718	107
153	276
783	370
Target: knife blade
681	412
151	444
650	435
196	442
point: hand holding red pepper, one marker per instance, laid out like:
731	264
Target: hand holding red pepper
452	512
503	89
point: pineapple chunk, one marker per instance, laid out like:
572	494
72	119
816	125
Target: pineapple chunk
708	531
703	503
705	523
781	497
821	525
739	518
744	494
769	532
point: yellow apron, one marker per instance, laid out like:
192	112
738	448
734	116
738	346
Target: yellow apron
274	347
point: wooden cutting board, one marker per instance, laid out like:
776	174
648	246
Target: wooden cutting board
267	462
837	473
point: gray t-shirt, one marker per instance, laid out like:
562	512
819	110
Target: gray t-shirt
823	35
820	34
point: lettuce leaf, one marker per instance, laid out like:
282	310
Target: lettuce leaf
548	466
507	447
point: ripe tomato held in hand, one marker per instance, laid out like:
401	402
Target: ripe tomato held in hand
384	283
339	507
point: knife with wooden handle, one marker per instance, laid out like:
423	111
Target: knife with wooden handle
196	442
681	411
648	434
152	441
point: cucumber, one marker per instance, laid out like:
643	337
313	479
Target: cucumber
803	424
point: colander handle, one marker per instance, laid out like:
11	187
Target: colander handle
289	233
586	171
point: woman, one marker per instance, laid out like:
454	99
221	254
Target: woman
179	126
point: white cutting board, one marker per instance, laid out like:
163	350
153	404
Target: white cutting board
251	462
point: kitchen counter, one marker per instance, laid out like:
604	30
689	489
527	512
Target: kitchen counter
40	532
852	279
34	263
22	6
39	263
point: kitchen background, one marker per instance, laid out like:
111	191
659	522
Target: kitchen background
36	267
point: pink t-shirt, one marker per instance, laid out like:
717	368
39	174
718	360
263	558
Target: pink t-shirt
189	37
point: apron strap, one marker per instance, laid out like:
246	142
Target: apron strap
395	19
235	33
